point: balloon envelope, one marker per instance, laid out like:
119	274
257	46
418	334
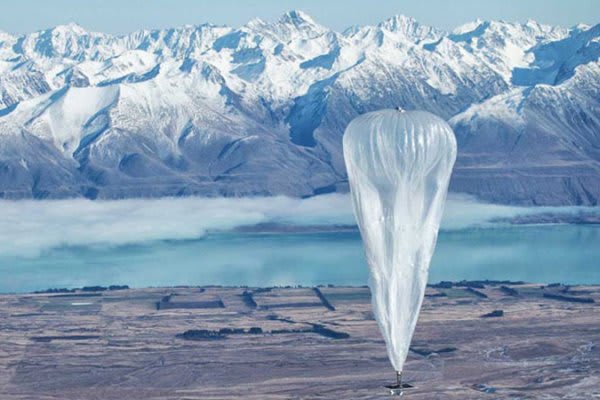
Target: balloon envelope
399	165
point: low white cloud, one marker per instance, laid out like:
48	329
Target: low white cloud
28	228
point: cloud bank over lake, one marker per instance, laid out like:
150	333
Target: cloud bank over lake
28	228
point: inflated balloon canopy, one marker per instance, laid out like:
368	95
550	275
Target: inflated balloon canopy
399	165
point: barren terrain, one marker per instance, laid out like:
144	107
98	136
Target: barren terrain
297	343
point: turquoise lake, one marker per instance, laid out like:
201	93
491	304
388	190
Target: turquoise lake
539	253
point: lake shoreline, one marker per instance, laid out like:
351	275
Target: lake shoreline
517	221
94	290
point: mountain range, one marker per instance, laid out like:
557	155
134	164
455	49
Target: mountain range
261	109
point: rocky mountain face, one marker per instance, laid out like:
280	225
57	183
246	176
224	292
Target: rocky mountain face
260	110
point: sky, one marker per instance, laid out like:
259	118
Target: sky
122	16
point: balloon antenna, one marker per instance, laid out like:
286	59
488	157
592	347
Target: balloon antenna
396	389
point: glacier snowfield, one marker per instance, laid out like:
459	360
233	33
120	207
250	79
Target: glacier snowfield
260	109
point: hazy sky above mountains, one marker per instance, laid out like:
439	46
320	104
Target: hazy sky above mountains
121	16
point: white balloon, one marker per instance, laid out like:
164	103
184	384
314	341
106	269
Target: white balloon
399	165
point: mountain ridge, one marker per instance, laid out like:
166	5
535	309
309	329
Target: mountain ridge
260	109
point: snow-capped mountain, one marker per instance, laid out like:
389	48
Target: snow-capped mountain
261	109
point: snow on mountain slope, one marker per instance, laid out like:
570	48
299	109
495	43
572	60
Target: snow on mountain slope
544	138
261	109
504	46
556	61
